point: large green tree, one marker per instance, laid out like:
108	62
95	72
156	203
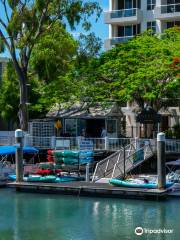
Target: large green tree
24	24
140	70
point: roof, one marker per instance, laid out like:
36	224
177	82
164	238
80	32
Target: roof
8	150
84	110
174	163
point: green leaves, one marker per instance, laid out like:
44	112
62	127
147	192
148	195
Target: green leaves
2	47
139	70
13	3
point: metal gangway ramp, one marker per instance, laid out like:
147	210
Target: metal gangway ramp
113	166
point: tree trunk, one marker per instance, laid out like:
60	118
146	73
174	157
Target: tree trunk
23	79
23	110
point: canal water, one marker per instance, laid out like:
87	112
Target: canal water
25	216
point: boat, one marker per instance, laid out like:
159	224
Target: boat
68	179
136	183
47	179
39	178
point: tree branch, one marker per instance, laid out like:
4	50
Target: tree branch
5	9
5	41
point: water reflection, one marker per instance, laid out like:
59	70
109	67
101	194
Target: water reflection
36	217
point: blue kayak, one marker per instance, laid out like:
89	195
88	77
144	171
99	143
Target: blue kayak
131	184
68	179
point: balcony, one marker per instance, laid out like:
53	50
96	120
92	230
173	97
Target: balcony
133	15
168	12
116	40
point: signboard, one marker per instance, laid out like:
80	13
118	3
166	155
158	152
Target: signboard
86	145
63	144
148	115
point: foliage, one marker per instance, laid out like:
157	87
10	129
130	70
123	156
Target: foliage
26	22
140	70
53	54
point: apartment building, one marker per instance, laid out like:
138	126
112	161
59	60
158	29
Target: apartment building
127	18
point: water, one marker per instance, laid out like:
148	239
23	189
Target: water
25	216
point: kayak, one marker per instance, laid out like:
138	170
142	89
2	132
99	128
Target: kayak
135	184
38	178
68	179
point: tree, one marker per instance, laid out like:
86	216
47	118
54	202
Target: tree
140	70
26	21
9	97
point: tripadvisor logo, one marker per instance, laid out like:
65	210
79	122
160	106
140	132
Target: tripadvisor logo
139	231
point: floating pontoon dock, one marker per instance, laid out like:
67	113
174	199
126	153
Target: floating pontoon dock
90	189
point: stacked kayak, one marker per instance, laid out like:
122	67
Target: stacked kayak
69	157
48	179
136	183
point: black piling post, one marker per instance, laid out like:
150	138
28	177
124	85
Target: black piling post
161	160
19	155
124	161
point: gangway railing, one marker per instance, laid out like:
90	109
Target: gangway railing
123	161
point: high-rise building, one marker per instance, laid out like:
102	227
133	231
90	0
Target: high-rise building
126	18
3	62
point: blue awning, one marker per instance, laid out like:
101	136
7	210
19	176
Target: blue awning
8	150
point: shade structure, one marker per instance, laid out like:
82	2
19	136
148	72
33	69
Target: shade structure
174	163
8	150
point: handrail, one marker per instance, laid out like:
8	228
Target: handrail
166	5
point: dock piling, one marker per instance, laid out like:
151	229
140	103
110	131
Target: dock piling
87	172
161	161
19	155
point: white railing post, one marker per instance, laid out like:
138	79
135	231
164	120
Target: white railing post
53	142
26	140
106	143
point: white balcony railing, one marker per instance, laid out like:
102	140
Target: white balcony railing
124	15
170	8
117	40
167	11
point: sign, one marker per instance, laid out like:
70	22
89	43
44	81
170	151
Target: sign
148	115
63	144
86	145
58	124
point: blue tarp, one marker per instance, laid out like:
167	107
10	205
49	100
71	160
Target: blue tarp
8	150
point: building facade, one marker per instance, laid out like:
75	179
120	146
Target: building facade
127	18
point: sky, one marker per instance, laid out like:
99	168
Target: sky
99	28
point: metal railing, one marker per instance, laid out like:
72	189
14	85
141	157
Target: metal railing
170	8
123	13
7	140
172	146
123	161
73	143
116	40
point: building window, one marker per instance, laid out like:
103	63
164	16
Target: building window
131	30
151	4
173	24
151	26
71	127
128	4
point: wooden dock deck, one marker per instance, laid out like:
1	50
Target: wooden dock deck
2	184
90	189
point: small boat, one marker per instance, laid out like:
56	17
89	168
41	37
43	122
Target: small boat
39	178
136	183
68	179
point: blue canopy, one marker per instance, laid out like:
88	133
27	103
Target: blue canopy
8	150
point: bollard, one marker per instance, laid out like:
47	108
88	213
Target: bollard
161	161
87	172
19	155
